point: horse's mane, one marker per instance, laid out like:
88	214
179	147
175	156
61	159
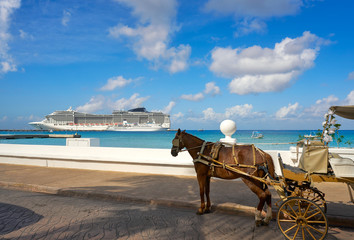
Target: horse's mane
194	136
197	138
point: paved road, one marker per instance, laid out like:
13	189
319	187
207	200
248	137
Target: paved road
28	215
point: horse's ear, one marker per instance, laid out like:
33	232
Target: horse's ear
179	131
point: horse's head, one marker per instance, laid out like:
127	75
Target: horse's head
177	143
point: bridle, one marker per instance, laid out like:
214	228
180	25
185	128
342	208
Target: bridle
177	142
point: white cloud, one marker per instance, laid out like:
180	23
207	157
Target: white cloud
210	114
6	9
193	97
248	26
321	106
133	102
237	111
287	111
256	69
178	115
66	17
169	107
260	83
349	100
8	66
351	76
28	118
25	35
211	88
100	102
114	82
250	14
151	36
240	111
179	58
96	103
4	118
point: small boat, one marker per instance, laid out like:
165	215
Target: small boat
256	134
312	135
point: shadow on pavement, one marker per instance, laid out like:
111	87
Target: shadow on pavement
14	217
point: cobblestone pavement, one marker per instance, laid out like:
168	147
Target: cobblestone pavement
28	215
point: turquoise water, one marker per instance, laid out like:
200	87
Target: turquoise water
273	139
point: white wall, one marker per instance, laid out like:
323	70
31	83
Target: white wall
143	160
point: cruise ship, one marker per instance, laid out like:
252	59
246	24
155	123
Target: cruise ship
137	119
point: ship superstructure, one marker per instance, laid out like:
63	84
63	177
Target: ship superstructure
137	119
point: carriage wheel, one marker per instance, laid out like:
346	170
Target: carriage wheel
316	196
300	218
307	192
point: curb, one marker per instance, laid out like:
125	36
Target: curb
228	208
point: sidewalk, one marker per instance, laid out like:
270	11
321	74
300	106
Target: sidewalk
228	196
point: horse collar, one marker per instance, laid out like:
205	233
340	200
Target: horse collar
201	152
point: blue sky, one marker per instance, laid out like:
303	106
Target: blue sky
267	64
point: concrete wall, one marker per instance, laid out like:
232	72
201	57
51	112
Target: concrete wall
155	161
144	160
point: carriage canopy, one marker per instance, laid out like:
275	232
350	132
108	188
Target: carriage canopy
315	155
343	111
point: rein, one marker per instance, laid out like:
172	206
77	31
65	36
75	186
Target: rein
204	143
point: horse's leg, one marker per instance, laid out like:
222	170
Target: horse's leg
256	187
269	215
207	191
202	186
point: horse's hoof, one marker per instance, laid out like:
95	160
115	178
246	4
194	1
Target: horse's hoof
207	211
265	223
259	223
199	212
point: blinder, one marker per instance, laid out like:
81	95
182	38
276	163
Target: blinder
176	142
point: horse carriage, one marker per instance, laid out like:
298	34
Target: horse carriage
302	207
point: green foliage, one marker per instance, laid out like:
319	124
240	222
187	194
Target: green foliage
331	129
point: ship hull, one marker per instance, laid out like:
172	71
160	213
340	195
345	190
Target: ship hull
137	129
137	119
46	126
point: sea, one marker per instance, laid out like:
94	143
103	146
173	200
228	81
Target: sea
272	140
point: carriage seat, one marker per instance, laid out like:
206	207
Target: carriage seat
342	167
293	169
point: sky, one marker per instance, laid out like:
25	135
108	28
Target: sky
266	64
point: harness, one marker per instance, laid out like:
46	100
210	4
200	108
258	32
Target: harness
212	162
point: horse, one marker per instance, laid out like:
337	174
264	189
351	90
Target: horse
249	159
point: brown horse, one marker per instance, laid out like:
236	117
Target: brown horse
246	155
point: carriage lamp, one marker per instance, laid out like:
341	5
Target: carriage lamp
228	127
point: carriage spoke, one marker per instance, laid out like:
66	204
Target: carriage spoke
303	233
293	210
311	211
297	231
291	228
317	222
287	220
313	215
321	232
308	207
299	207
289	214
313	237
302	217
